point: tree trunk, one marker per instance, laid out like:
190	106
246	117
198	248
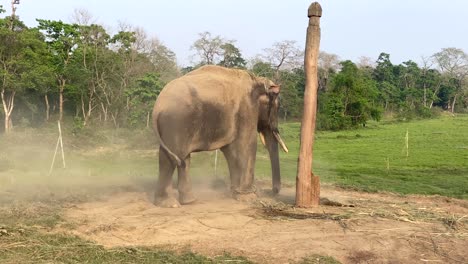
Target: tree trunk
62	87
104	111
453	103
8	103
7	124
90	107
147	119
46	98
61	106
13	14
114	119
424	99
83	111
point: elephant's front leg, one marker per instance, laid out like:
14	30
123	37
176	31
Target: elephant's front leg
185	183
240	156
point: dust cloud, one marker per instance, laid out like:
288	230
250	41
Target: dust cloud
114	162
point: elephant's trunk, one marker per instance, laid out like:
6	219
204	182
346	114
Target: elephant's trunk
272	146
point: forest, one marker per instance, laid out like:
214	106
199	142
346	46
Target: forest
82	74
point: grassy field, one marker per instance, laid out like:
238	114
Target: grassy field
102	162
375	158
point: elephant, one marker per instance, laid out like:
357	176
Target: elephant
213	108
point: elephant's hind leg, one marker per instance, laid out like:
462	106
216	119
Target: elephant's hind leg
164	196
185	183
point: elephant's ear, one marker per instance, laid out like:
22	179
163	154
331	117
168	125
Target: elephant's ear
274	89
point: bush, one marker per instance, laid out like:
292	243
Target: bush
419	112
78	125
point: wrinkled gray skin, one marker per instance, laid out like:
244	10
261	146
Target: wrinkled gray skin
215	108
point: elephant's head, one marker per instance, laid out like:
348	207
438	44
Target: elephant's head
268	128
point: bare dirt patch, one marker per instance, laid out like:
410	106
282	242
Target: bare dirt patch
380	228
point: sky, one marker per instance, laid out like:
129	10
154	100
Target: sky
406	29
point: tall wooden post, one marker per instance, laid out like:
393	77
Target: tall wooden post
307	185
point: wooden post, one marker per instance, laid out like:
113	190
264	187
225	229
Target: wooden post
59	143
53	159
308	185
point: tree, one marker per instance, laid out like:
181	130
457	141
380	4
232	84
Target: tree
284	55
351	100
162	58
283	64
89	64
40	77
232	57
62	40
208	48
432	81
82	17
131	65
386	81
453	63
9	53
262	68
426	66
142	97
410	77
292	93
328	64
21	54
365	62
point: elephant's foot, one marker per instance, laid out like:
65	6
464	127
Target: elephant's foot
245	197
187	198
167	202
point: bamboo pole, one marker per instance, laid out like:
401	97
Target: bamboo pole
407	143
308	185
61	145
53	159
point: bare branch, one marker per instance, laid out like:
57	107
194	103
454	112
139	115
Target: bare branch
82	17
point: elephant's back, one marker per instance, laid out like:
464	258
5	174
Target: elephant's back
206	85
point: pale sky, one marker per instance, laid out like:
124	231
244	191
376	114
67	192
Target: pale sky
406	29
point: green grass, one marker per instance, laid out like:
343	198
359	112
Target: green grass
374	158
33	246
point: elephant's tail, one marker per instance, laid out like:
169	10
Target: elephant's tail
180	162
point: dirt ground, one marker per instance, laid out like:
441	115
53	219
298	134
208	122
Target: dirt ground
354	228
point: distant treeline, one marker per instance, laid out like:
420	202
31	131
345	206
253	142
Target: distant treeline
82	73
